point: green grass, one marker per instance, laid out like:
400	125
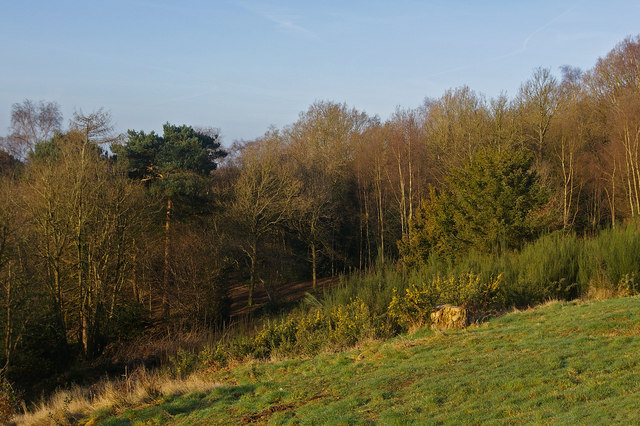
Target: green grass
564	363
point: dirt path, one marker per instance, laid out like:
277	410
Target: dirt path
239	295
289	292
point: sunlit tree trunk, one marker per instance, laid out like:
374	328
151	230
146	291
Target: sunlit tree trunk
314	265
166	270
8	336
252	273
566	163
380	209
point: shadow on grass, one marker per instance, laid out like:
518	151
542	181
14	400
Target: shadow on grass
169	406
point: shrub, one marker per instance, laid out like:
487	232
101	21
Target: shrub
9	401
612	259
183	363
373	287
350	323
549	269
312	332
387	300
274	335
215	355
492	204
413	308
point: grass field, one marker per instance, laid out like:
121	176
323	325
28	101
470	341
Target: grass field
568	363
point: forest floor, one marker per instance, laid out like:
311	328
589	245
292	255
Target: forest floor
563	363
239	295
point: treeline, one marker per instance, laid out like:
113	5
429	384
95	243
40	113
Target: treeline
459	173
101	234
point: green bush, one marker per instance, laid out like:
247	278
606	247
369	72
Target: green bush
413	308
9	401
183	363
373	287
274	335
492	204
216	355
349	323
612	259
549	269
312	333
387	300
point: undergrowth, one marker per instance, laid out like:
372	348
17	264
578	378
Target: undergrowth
559	363
388	300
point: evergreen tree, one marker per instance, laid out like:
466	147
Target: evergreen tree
175	167
491	204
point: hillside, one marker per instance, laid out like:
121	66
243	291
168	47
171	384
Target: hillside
574	362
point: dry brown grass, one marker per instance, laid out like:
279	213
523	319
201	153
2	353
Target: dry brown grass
603	292
140	387
159	348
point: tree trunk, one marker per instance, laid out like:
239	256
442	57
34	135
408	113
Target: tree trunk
167	256
410	191
62	326
313	265
403	202
613	196
367	231
134	279
9	322
361	223
568	184
380	212
85	328
252	273
632	152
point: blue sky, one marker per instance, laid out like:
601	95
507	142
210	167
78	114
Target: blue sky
242	65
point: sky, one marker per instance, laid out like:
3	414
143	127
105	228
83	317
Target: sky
245	65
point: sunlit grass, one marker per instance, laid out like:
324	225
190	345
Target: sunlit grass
110	396
568	363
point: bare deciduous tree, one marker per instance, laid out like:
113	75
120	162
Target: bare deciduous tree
31	123
538	102
262	197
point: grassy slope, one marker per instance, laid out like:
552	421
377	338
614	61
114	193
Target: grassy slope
561	363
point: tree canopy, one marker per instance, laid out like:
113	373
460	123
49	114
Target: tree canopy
491	204
171	164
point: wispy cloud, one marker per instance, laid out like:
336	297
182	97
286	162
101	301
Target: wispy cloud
282	20
525	42
522	49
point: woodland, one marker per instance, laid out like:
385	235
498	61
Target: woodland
107	240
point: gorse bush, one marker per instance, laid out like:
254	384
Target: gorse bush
387	300
183	363
350	322
330	324
558	265
312	332
413	308
308	332
274	335
546	269
9	401
612	259
373	287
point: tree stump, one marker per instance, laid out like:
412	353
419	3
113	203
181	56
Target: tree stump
447	317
